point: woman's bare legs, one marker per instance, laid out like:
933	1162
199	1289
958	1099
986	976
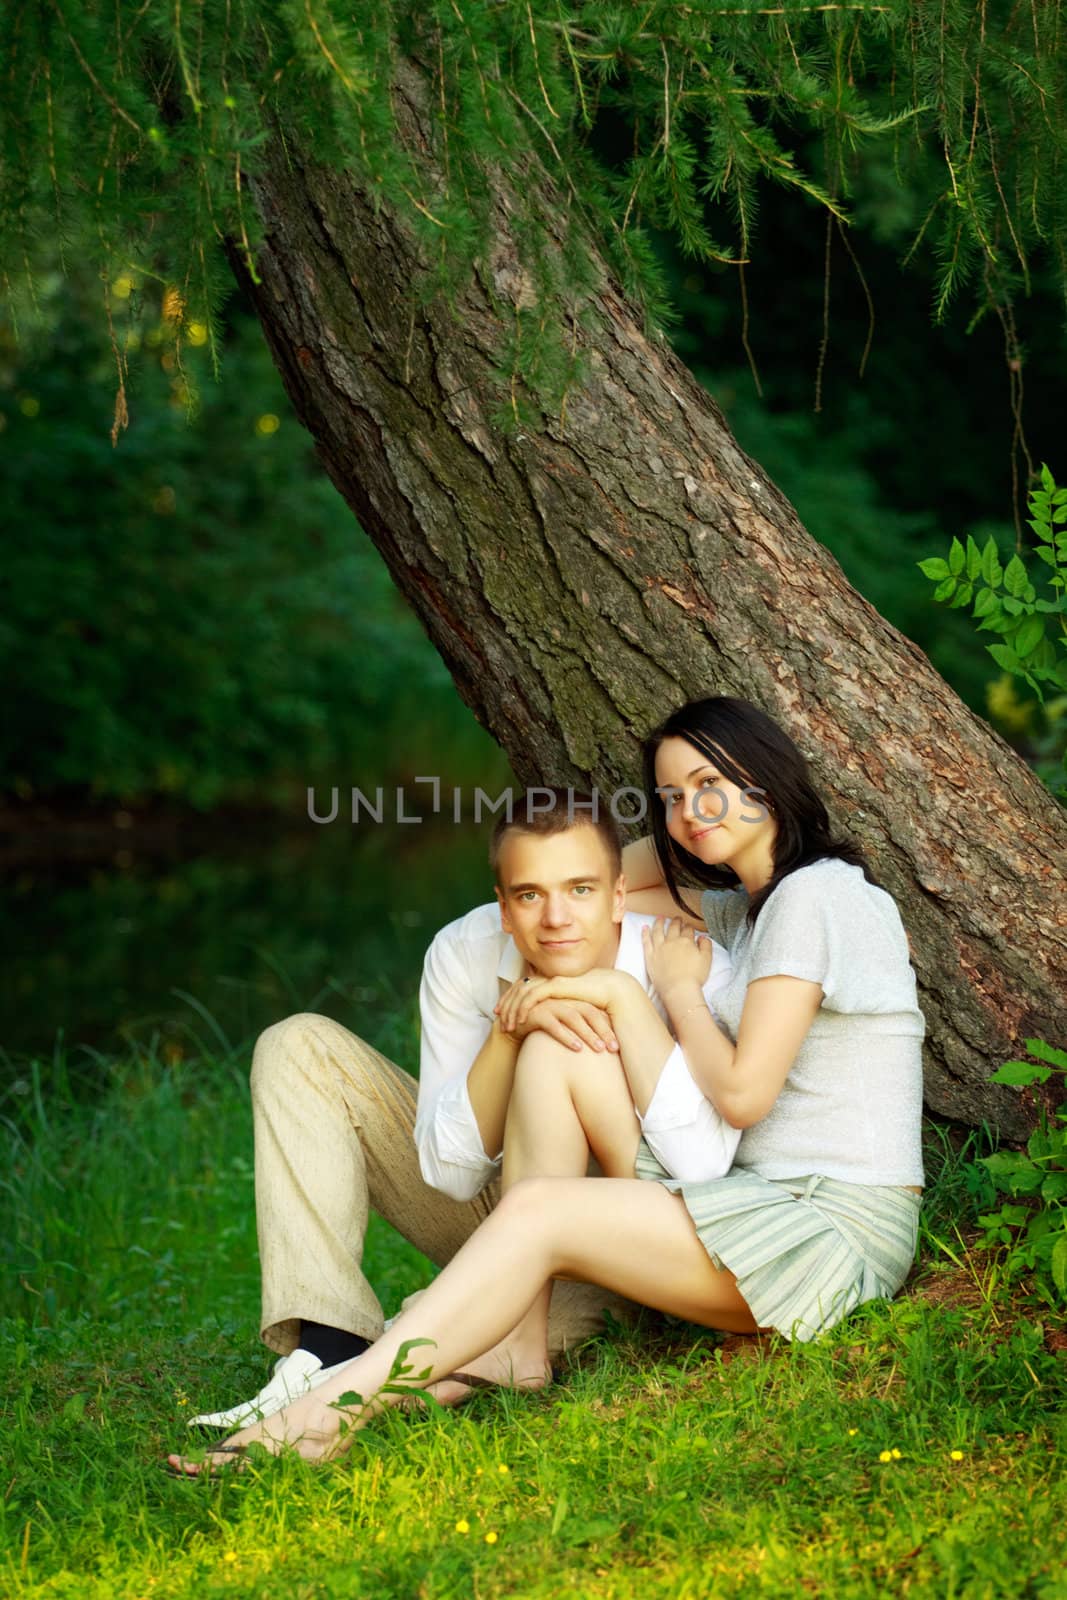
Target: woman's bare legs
628	1235
565	1104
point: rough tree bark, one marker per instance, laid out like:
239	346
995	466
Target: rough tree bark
582	580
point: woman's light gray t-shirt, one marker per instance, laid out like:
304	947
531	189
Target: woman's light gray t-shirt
851	1105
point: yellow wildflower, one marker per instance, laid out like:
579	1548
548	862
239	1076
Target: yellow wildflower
896	1455
503	1468
885	1455
463	1526
490	1537
231	1555
955	1455
852	1432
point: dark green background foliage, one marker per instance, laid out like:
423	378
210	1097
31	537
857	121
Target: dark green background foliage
194	614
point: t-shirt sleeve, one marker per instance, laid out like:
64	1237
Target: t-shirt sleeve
832	929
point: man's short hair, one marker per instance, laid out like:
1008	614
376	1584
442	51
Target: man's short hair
545	811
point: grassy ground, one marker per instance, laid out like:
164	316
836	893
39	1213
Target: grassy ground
917	1450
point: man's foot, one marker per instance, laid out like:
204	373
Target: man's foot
294	1375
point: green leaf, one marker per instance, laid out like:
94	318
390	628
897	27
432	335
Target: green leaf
1005	659
1021	1073
349	1398
1014	1216
992	570
1012	606
934	567
1047	1052
997	622
1048	482
945	588
963	594
1054	1186
1007	1163
957	558
974	559
1029	637
1046	553
1015	576
986	603
1059	1263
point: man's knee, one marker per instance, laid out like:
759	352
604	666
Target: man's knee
543	1060
295	1045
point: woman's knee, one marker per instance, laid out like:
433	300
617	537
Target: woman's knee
532	1203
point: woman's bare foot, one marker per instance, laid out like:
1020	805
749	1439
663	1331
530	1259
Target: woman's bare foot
310	1429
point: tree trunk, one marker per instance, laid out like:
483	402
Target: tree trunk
582	580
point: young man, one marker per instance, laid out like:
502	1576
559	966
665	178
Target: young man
339	1129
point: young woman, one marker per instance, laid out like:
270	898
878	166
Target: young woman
821	1070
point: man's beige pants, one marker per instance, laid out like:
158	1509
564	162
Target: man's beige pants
334	1130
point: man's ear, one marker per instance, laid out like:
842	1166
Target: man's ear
618	905
505	921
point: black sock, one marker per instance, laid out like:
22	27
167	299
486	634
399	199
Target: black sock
331	1345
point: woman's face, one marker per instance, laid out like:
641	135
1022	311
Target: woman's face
708	815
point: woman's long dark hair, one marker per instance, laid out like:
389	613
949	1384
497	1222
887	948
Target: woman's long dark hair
750	749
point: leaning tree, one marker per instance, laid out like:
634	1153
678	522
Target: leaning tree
442	212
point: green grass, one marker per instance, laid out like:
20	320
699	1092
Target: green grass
665	1463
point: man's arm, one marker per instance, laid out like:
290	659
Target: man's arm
456	1029
489	1084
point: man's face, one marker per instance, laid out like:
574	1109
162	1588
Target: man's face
560	901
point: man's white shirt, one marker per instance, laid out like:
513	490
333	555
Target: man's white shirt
467	968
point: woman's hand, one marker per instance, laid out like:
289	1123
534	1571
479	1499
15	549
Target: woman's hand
602	987
677	957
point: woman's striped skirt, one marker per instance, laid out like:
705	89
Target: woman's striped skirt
805	1251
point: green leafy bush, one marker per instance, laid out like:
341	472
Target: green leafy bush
1032	642
1032	1223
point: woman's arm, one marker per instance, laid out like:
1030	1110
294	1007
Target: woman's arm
645	889
640	864
742	1081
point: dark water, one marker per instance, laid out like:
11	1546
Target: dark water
206	947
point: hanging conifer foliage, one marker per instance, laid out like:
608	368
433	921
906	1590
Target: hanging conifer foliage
132	132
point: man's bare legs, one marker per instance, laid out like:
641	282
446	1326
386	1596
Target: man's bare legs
631	1236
